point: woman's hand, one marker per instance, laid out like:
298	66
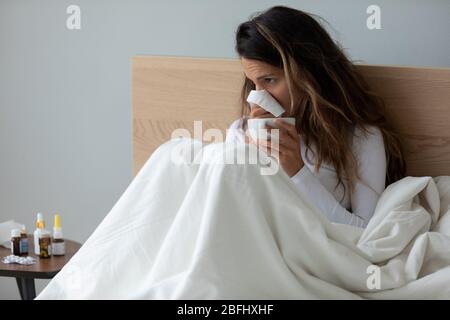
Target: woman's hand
287	152
258	112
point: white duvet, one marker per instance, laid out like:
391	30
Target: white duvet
217	231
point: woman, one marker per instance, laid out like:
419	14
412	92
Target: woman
342	152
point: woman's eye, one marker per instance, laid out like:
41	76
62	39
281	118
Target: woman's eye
269	80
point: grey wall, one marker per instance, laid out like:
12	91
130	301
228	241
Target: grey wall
65	111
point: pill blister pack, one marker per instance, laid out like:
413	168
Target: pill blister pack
19	260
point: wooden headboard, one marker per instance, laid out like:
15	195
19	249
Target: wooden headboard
172	92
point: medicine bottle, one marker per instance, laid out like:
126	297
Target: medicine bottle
15	242
23	241
45	244
58	244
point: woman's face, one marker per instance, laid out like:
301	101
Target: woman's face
270	78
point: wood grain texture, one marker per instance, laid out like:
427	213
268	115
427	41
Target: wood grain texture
173	92
418	101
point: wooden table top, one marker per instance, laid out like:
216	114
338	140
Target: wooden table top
43	268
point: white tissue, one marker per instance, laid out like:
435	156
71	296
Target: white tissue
265	100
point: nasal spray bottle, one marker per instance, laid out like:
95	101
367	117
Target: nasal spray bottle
40	224
58	245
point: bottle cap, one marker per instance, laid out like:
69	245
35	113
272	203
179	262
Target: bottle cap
40	223
45	233
15	233
57	222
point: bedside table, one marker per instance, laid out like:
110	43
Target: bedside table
42	269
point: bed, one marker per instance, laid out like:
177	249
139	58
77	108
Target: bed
215	231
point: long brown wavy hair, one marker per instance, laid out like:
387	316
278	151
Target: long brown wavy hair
329	97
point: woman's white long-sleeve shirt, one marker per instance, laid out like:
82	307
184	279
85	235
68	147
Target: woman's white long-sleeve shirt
338	204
